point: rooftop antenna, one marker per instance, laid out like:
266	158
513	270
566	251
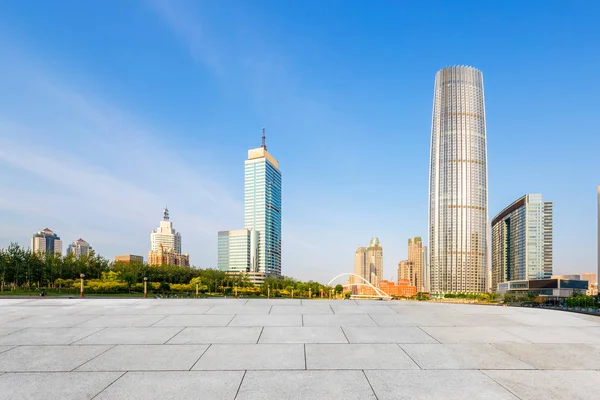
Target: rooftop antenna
166	214
264	143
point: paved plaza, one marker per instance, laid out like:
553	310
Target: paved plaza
293	349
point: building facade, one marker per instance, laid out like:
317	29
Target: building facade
592	280
458	210
165	235
522	241
46	241
415	256
166	256
79	248
256	249
127	258
426	275
368	262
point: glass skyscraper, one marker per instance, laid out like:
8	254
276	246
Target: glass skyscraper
522	241
458	217
262	208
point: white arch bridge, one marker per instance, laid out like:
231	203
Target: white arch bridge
380	293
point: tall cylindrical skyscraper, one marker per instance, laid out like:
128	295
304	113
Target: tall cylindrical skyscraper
458	217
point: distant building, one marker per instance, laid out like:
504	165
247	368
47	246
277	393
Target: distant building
426	274
126	258
551	287
402	289
46	241
407	271
238	251
592	283
368	262
165	235
79	248
522	241
164	256
256	249
415	257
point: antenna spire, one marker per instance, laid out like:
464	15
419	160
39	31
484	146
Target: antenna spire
264	142
165	214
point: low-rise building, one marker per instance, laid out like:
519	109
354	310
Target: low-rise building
164	256
127	258
555	287
402	289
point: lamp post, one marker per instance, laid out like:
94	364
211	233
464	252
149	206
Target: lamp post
235	288
310	293
196	289
81	276
268	291
292	293
145	287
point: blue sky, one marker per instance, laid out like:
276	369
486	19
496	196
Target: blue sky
110	110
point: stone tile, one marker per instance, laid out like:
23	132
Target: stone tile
492	320
476	309
307	302
357	356
242	310
205	385
252	357
373	310
320	309
462	356
471	335
339	320
49	301
410	320
267	320
556	334
274	302
146	358
7	331
48	321
112	309
6	318
47	385
217	335
12	302
426	385
177	310
5	348
552	318
195	320
24	311
131	336
110	321
387	335
302	385
302	335
554	356
542	385
48	358
47	336
152	302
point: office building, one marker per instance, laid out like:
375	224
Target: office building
426	276
46	241
522	241
415	256
127	258
368	262
166	256
458	214
165	245
554	287
165	235
256	249
407	271
79	247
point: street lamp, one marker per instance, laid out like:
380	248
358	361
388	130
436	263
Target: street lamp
196	289
268	291
310	293
145	287
81	276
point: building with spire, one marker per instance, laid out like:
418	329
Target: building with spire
79	248
256	249
165	245
46	241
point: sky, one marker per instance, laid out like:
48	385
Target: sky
111	110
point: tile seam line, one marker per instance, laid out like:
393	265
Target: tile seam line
260	334
87	336
513	356
93	358
178	332
342	329
156	322
501	385
431	336
201	355
109	385
240	385
409	356
369	382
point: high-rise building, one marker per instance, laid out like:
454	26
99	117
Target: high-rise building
165	235
256	249
407	271
426	276
368	262
522	241
46	241
415	256
127	258
79	248
458	217
165	245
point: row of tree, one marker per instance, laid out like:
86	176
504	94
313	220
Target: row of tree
22	269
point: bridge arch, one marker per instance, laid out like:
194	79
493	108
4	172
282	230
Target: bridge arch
380	292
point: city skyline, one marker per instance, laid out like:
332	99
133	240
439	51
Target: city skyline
95	141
